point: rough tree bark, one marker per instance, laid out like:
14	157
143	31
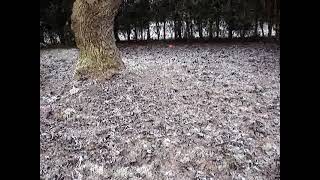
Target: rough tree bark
92	23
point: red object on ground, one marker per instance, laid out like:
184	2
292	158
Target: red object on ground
170	45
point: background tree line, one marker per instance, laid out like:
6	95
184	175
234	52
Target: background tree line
171	19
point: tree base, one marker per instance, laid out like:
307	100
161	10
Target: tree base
98	65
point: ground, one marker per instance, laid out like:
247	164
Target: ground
197	111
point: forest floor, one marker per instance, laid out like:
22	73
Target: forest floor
201	111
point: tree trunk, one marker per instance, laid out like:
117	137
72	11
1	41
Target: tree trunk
128	34
269	28
191	30
200	29
141	29
217	27
276	29
62	36
52	38
179	29
175	28
230	33
242	33
135	33
148	33
261	26
158	30
68	34
256	26
115	29
187	33
278	32
92	22
210	29
116	35
41	37
164	30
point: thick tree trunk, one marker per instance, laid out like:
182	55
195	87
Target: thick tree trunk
92	22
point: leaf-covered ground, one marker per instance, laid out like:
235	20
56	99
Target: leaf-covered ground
209	111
